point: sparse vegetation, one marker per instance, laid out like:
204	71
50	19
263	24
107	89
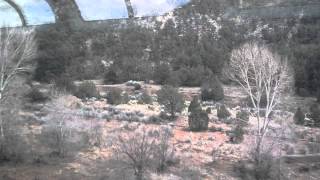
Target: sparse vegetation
116	97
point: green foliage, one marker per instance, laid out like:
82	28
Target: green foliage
111	77
57	47
87	90
299	117
212	89
236	134
265	169
315	114
114	97
198	119
145	98
243	116
222	112
125	98
65	83
194	105
208	110
34	95
162	73
193	76
171	99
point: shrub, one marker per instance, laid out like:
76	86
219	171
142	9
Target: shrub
265	169
111	77
163	152
171	99
155	119
198	119
299	117
34	95
315	113
87	90
138	149
223	113
193	76
236	135
162	73
114	97
136	85
65	83
212	89
243	116
194	105
174	79
145	98
208	110
125	98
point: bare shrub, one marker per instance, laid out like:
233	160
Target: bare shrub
144	150
163	153
96	134
57	131
138	150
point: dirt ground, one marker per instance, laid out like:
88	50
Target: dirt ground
202	155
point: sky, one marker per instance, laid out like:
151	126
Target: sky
39	12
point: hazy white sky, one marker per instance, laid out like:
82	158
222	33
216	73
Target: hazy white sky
39	12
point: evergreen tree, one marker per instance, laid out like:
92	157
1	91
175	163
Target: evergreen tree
299	117
171	99
198	119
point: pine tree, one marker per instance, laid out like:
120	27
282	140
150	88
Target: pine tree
198	119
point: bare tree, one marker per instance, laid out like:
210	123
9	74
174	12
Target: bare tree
262	74
58	130
17	48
